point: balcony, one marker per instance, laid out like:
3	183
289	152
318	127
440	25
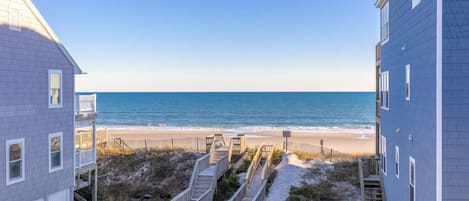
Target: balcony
84	157
85	147
85	106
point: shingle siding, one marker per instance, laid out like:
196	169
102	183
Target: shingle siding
25	58
455	100
412	41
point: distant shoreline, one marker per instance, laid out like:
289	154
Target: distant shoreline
350	143
245	129
136	91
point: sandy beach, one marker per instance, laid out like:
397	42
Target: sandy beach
351	143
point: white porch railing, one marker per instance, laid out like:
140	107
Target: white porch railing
201	164
85	103
84	157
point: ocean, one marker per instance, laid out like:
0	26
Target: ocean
239	111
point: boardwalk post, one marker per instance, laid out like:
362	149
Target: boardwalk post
331	155
172	143
107	137
146	148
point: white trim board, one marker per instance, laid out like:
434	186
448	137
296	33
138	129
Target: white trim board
439	99
54	37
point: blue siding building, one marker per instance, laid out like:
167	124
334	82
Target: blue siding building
424	99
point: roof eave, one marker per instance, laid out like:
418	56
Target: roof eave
380	3
43	22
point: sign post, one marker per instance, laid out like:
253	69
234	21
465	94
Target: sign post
286	135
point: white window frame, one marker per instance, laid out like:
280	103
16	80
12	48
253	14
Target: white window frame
396	160
54	169
415	3
384	154
407	82
11	26
22	178
412	161
384	90
384	24
60	105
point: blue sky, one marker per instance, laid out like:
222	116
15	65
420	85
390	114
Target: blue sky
218	45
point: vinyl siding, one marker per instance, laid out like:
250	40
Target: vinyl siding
455	100
412	41
25	58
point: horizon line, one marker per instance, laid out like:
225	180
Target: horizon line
229	91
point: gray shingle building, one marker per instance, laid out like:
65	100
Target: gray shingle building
40	115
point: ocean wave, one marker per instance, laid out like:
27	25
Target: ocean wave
245	129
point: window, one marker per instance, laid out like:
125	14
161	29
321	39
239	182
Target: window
415	3
385	23
407	82
55	152
396	160
14	19
384	93
412	179
14	161
383	154
55	88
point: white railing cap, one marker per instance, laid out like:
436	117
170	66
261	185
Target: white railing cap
85	103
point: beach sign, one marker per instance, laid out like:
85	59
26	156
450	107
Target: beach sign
286	133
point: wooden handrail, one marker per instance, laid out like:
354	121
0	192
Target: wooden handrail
252	168
239	194
230	150
201	164
360	175
212	153
268	162
260	195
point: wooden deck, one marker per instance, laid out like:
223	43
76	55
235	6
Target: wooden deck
86	116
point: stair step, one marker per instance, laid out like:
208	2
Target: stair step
201	187
204	179
203	184
197	193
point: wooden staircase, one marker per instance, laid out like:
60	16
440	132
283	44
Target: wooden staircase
208	169
202	186
254	187
78	197
373	189
371	184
